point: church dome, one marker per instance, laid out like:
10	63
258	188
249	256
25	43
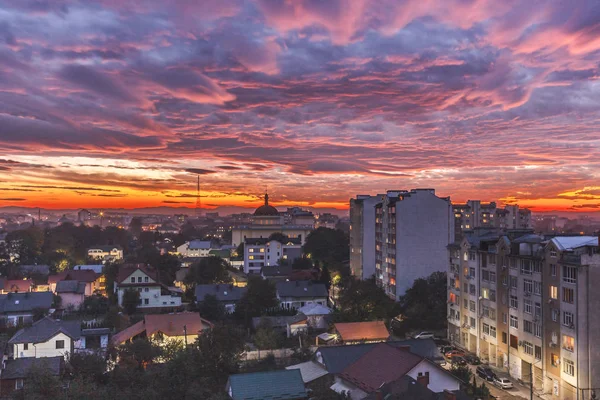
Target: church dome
266	210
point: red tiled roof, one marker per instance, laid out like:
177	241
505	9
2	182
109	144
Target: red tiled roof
355	331
168	324
17	285
381	365
128	269
129	333
83	275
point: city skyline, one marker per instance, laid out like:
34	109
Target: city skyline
122	105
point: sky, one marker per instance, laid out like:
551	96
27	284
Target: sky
122	103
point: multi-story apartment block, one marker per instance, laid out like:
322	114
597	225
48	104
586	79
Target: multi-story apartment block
400	236
525	304
475	214
259	253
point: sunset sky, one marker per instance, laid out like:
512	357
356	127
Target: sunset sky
117	103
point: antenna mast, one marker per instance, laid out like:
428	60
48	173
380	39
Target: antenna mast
198	201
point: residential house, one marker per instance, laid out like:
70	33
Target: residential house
276	273
97	268
46	338
362	332
311	371
93	340
229	295
272	385
292	325
409	388
15	285
72	293
195	248
14	373
153	294
317	314
108	253
184	327
93	282
19	308
386	363
262	252
296	294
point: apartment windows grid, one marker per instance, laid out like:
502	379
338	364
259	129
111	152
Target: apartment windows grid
537	330
514	322
492	295
504	280
472	289
527	285
553	269
528	348
486	329
569	274
527	306
492	277
485	311
537	288
568	295
513	282
568	343
537	310
472	272
514	302
492	313
568	319
553	292
504	318
465	303
527	326
568	367
485	275
525	267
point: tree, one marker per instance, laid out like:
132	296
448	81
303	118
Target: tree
325	277
135	226
424	304
131	299
211	308
208	270
87	366
140	351
25	246
265	337
41	384
220	348
363	300
462	372
327	246
302	263
260	297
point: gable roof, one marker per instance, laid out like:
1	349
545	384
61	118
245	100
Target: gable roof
16	285
84	275
168	324
309	370
199	245
70	287
301	289
223	292
383	364
369	330
572	242
21	302
129	333
276	271
337	358
45	329
127	269
272	385
314	309
42	269
19	368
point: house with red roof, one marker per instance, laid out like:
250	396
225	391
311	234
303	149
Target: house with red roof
15	285
361	332
144	279
384	364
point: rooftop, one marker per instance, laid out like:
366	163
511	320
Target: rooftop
273	385
301	289
359	331
70	287
45	329
223	292
19	368
25	302
567	243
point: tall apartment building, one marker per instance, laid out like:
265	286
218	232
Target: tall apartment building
475	214
526	305
399	237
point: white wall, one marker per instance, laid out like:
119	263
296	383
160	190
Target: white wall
46	349
153	295
439	380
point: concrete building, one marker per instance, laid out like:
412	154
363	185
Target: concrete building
362	235
475	214
108	253
259	253
267	220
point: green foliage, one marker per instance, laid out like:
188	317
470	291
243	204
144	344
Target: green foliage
94	305
208	270
363	300
40	384
424	304
140	353
260	297
266	338
220	349
462	372
327	246
89	367
211	308
131	299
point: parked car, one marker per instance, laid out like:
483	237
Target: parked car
503	383
446	349
473	360
458	361
454	353
485	373
424	335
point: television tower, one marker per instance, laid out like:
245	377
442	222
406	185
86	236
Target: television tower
198	200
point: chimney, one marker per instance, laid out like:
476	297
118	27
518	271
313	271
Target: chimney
448	395
423	380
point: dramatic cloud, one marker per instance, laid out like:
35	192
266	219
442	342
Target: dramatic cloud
125	103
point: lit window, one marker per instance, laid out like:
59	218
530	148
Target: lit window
568	343
553	292
568	367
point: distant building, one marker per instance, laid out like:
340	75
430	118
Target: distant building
19	308
195	248
153	294
226	294
475	214
267	220
296	294
259	253
108	253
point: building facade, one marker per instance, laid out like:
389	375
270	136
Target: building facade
259	253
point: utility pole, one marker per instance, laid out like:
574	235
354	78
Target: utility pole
530	381
185	335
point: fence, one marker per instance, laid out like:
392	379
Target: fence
257	355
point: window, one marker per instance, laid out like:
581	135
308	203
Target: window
485	311
492	277
568	343
250	250
485	275
492	295
25	346
504	318
139	279
493	331
492	313
537	266
527	285
465	256
538	352
133	279
568	367
140	289
525	267
514	322
466	271
514	301
504	337
553	292
466	287
465	303
553	253
486	329
146	301
568	295
538	310
528	348
491	258
513	282
514	342
146	289
568	319
472	305
60	344
527	306
18	384
472	322
537	330
555	359
146	279
472	256
527	326
472	272
555	314
537	288
262	250
553	269
569	274
513	263
472	289
485	293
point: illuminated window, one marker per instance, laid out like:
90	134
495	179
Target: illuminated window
485	293
568	343
250	250
553	292
568	367
250	257
262	250
555	359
